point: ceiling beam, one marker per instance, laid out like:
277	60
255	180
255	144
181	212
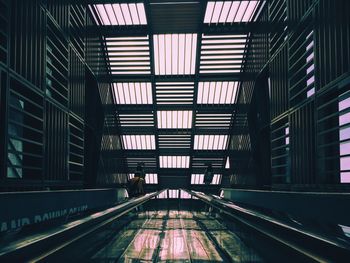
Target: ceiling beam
172	152
201	108
240	76
152	130
220	29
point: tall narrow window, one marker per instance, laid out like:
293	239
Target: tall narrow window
310	69
344	137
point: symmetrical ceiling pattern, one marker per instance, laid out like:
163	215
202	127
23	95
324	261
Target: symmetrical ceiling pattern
176	69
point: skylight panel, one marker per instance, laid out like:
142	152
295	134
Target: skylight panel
121	14
199	179
163	195
139	142
175	54
222	54
133	93
210	142
174	119
229	11
216	179
174	161
217	92
184	195
128	55
173	193
151	178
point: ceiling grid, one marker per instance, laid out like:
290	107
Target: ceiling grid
175	70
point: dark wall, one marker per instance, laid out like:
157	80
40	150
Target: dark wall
51	112
302	62
259	131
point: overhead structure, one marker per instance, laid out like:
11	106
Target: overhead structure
176	73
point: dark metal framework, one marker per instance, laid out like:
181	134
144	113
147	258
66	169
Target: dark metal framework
259	89
194	66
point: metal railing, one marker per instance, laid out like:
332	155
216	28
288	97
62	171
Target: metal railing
310	245
42	245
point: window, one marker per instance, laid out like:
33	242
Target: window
217	92
210	142
139	142
175	54
174	119
344	137
310	71
229	11
133	93
120	14
174	161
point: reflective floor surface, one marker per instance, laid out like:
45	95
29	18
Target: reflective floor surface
175	236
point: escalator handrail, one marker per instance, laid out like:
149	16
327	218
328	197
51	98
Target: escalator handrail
228	205
19	246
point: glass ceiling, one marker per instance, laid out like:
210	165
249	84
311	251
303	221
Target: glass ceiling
175	92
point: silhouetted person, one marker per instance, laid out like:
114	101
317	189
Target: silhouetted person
208	174
136	184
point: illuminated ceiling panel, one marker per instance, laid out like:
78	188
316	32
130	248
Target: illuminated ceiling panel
128	55
151	178
166	101
175	54
199	179
210	142
229	11
184	195
174	119
120	14
217	92
174	161
217	179
163	195
139	142
173	193
222	53
133	93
